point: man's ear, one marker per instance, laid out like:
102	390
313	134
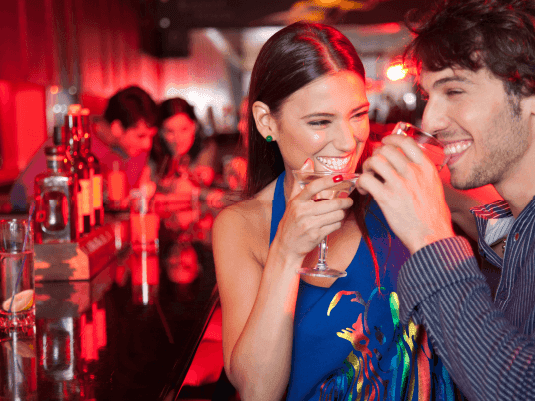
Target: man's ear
117	129
265	122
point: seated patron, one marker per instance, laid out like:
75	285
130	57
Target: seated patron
122	140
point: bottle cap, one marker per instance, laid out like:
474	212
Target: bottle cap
55	150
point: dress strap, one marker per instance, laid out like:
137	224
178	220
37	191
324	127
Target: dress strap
278	206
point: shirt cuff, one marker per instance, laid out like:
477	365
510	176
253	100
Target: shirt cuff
433	268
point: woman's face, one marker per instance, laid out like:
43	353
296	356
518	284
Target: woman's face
326	121
179	133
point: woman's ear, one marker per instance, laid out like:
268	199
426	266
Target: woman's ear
265	123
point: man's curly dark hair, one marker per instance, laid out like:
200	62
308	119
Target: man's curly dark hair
473	34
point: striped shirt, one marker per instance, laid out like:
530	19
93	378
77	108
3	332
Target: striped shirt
487	345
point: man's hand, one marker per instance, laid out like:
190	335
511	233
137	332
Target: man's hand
407	187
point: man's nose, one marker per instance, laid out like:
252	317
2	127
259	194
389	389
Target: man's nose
434	118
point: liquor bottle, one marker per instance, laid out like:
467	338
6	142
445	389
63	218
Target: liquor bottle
78	165
97	218
55	193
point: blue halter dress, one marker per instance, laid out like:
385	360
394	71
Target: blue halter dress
348	343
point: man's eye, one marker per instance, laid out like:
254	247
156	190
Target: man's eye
453	92
361	114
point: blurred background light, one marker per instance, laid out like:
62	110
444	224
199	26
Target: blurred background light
396	72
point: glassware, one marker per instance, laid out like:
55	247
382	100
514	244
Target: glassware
55	219
17	283
341	190
97	218
78	165
144	224
432	147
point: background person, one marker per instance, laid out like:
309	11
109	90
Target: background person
316	338
122	137
179	169
475	60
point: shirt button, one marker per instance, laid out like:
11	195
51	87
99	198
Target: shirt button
517	235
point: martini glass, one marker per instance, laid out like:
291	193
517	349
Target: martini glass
340	190
432	147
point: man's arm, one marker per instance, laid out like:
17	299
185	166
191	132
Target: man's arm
489	359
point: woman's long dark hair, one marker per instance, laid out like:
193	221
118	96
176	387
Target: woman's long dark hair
292	58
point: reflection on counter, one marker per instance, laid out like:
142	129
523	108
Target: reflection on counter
18	368
145	270
118	335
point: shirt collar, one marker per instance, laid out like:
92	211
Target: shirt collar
493	210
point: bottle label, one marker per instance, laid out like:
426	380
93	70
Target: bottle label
117	186
97	191
85	194
91	200
79	202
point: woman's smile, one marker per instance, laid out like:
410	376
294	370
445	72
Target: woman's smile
335	163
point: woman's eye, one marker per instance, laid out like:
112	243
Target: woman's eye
319	123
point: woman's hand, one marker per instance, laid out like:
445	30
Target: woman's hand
306	222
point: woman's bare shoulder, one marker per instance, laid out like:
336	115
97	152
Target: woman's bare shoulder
247	222
254	211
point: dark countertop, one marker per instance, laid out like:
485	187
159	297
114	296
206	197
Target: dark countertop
114	338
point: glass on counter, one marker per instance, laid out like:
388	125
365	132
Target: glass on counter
17	282
144	223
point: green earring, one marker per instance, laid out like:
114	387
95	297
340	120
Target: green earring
269	138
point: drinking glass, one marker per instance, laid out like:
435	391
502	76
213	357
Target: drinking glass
432	147
17	285
144	224
341	190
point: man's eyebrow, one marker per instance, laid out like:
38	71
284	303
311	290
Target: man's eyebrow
454	78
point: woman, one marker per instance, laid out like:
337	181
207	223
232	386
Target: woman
310	337
177	141
179	164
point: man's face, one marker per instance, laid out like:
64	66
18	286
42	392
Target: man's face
137	139
485	130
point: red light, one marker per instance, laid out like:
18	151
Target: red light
54	89
396	72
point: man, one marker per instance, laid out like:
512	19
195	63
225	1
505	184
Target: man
476	64
123	138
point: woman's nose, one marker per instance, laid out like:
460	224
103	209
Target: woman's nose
346	138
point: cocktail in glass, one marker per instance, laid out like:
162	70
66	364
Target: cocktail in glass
340	190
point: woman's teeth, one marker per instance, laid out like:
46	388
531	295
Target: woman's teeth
334	163
458	147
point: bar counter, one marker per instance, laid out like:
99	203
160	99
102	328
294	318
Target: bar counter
128	333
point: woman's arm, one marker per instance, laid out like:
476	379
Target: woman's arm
258	302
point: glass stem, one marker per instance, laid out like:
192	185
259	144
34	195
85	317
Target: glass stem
323	253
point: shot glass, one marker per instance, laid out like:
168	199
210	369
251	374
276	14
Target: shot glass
17	283
432	147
